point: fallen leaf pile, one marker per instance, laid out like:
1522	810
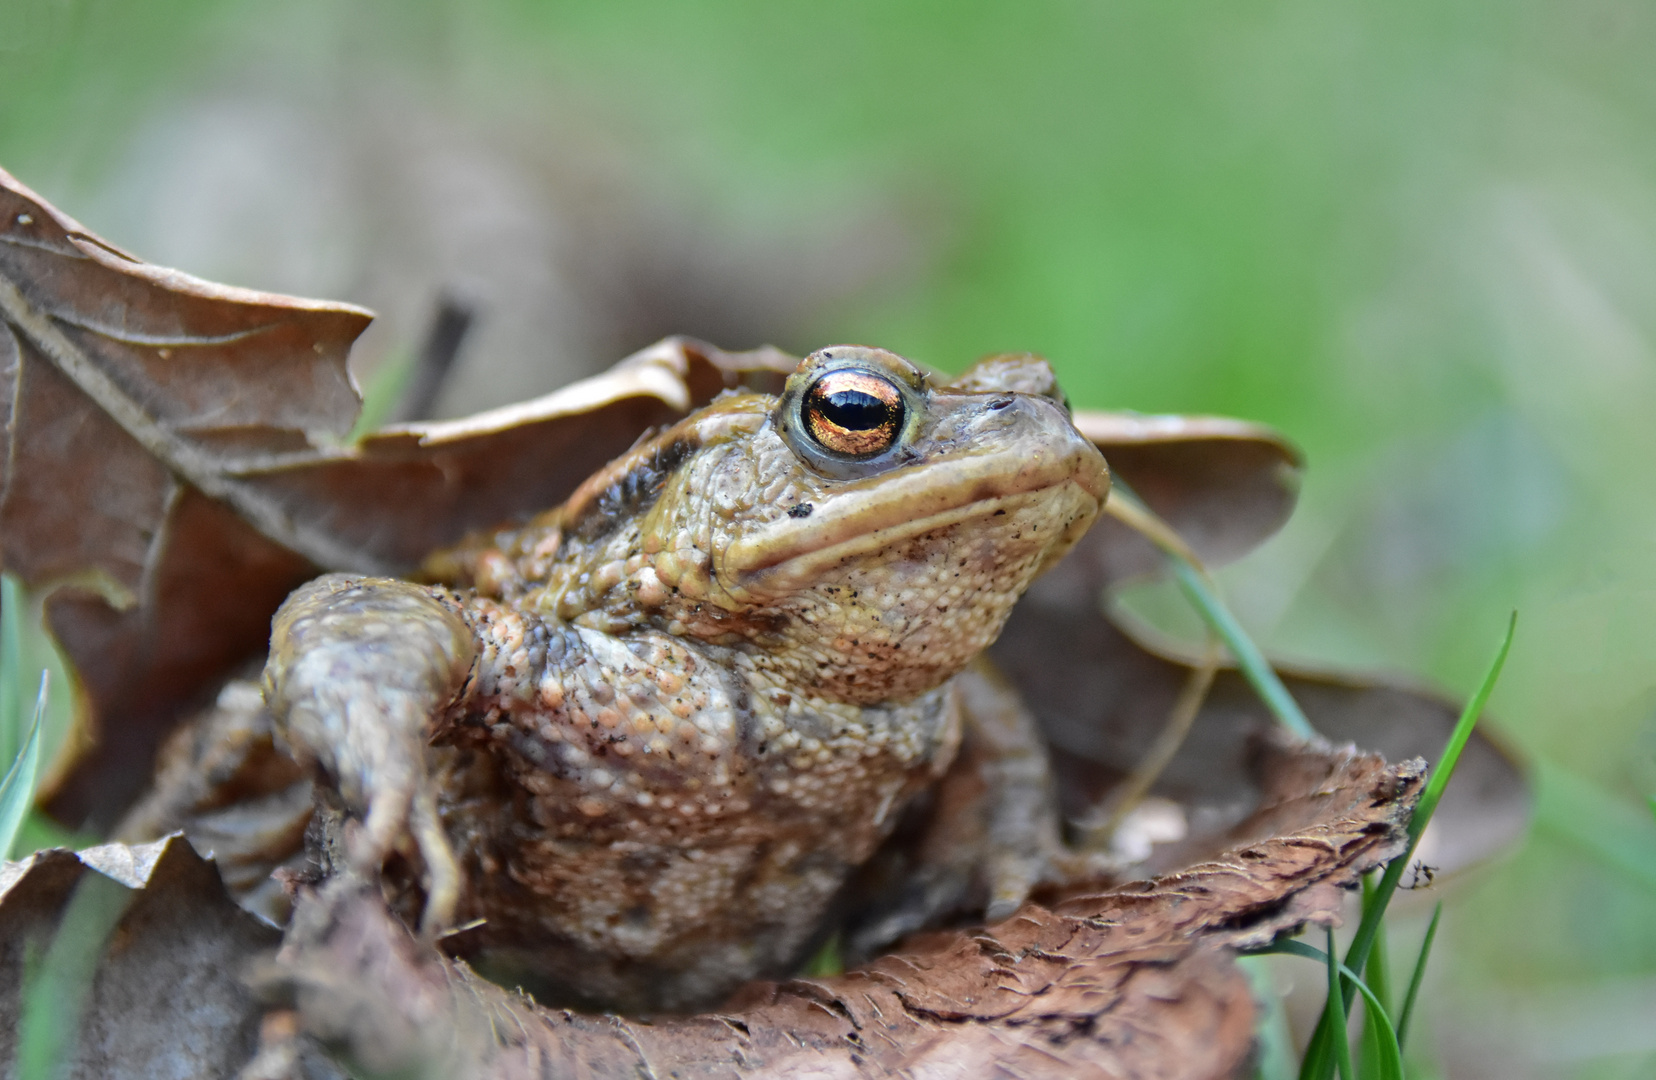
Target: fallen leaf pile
176	460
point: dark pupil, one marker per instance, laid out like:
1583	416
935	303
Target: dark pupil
854	410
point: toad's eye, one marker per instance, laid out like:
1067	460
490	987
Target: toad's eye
854	413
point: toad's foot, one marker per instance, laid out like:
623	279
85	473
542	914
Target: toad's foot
359	670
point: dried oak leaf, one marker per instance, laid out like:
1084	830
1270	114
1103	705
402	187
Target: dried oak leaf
1135	981
167	997
132	395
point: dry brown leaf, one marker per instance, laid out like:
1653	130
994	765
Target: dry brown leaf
133	393
1132	982
411	488
1224	485
168	998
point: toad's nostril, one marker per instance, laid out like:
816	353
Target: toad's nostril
1000	403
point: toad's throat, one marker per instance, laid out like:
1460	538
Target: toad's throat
895	507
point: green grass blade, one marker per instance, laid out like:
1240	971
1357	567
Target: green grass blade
18	788
1321	1056
1369	1053
1198	588
1334	1014
1252	663
1377	972
1374	909
1389	1056
12	630
1318	1062
1378	1032
1363	940
1439	779
380	396
1418	976
1371	1062
1382	1057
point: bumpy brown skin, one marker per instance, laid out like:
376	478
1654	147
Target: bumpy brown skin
663	723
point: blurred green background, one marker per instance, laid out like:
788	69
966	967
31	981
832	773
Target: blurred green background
1419	238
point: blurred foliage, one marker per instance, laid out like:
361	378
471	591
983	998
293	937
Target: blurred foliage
1419	237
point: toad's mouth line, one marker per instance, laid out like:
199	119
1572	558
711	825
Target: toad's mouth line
893	508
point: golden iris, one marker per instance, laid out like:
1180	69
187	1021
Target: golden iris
854	413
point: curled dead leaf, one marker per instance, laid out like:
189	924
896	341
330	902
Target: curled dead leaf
409	489
133	395
1224	485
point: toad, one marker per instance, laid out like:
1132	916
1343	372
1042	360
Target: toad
638	750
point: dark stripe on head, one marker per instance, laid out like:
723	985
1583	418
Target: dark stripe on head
631	494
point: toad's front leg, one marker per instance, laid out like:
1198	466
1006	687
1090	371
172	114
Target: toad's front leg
359	671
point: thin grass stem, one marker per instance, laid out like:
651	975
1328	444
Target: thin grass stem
1153	764
1203	594
1377	971
1388	1056
1335	1017
12	631
1418	976
1377	975
56	987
